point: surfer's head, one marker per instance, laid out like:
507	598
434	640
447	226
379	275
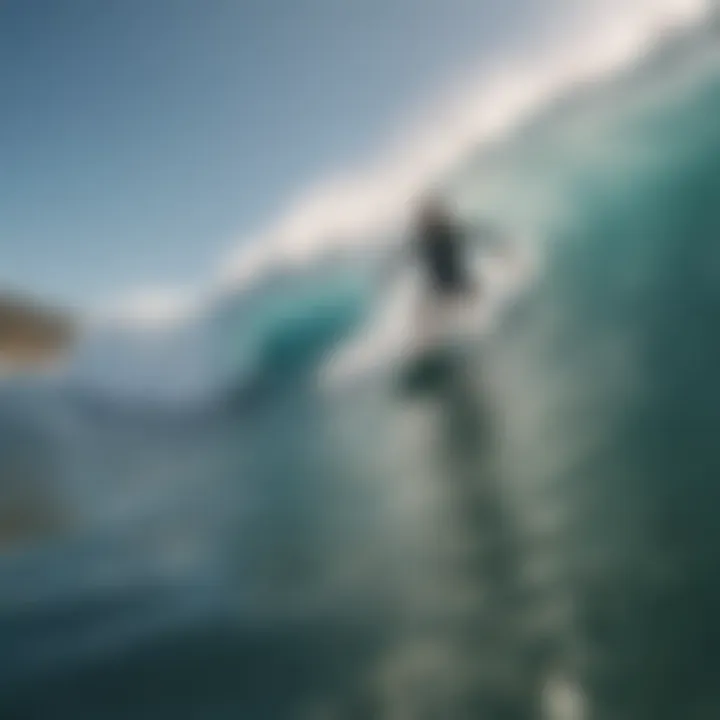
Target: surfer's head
433	209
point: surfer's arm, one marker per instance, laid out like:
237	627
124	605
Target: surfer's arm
504	247
490	238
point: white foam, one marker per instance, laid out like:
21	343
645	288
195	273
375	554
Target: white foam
363	203
358	206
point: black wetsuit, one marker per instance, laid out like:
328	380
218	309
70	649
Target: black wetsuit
440	246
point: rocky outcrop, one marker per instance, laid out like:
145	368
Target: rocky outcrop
31	334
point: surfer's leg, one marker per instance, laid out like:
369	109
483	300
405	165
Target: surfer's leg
426	319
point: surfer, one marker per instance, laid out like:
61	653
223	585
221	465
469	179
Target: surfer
448	283
438	244
440	247
455	288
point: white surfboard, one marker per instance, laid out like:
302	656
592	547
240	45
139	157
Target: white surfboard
412	322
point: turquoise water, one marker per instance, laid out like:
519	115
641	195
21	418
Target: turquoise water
536	537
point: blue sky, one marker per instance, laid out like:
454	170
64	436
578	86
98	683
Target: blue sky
139	138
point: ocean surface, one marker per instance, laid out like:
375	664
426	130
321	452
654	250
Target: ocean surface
536	537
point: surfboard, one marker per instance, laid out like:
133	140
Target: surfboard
416	338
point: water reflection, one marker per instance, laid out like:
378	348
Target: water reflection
464	649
